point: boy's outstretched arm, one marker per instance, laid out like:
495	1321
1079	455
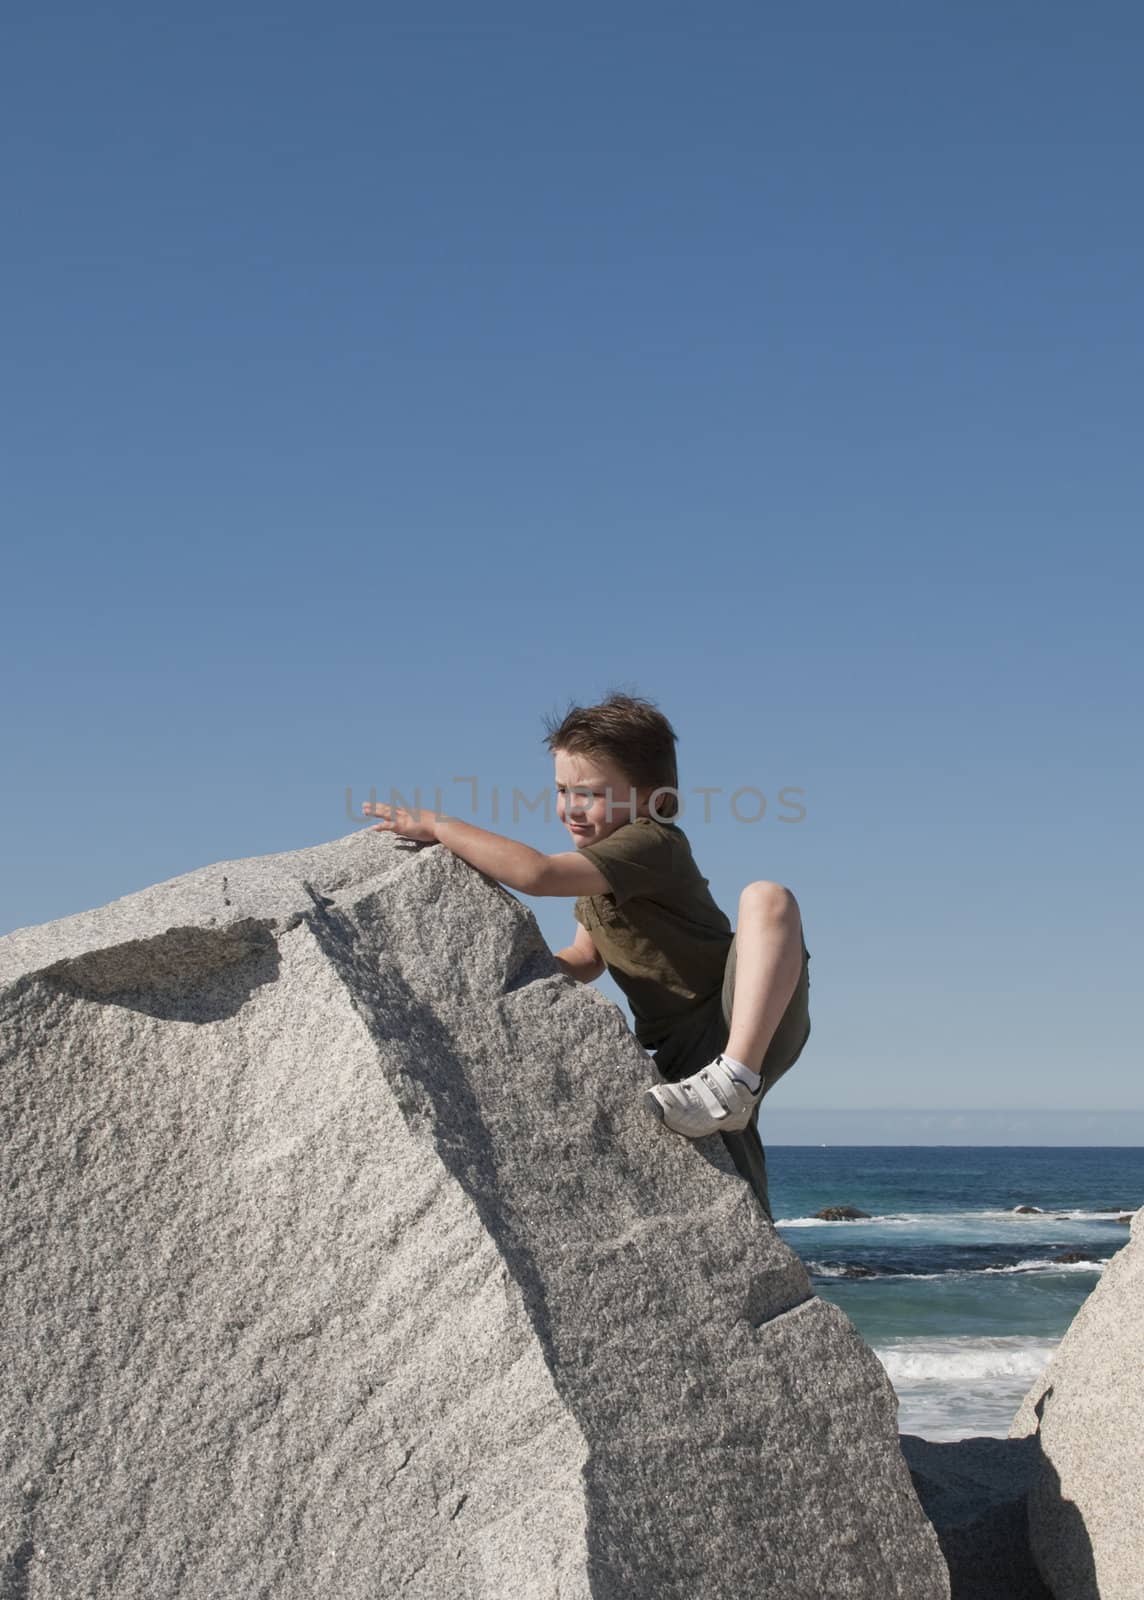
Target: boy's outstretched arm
516	865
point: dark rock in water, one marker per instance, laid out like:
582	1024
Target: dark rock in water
841	1214
1070	1258
974	1492
1028	1211
341	1261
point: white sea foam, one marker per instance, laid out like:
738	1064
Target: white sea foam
1063	1214
840	1269
903	1219
923	1362
947	1219
806	1222
961	1387
1119	1217
1047	1265
853	1222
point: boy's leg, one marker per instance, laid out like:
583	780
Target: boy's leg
766	1015
746	1148
769	949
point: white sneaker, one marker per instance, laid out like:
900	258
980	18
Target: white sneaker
712	1100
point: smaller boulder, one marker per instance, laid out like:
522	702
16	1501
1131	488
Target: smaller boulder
1086	1412
841	1214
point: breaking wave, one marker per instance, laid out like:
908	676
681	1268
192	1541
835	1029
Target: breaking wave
913	1362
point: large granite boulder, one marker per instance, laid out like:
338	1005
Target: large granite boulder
1086	1499
341	1261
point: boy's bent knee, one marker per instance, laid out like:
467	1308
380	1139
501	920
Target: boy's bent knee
768	897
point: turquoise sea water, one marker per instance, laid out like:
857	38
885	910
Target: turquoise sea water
963	1297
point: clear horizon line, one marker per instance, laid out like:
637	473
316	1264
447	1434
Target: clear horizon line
959	1111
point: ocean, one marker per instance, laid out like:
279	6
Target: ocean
963	1297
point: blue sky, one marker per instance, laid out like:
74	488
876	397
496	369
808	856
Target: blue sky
378	386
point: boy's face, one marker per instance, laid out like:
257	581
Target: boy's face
584	787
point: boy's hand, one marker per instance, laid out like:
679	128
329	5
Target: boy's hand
397	820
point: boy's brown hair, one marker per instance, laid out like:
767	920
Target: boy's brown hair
632	734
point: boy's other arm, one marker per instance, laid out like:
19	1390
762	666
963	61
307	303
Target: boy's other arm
581	960
516	865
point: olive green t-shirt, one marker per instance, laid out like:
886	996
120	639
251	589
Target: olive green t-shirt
659	932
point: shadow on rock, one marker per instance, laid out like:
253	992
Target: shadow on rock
1061	1535
974	1492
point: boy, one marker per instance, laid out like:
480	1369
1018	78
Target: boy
724	1014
